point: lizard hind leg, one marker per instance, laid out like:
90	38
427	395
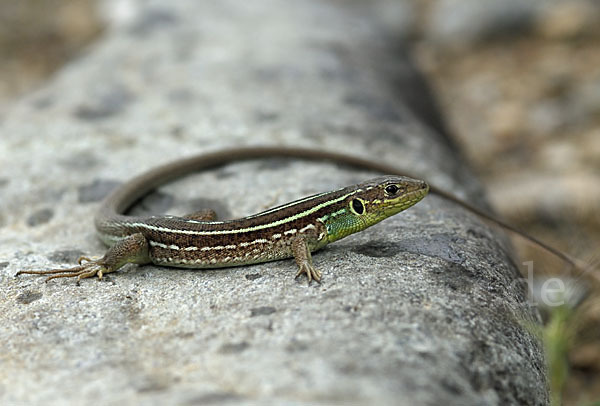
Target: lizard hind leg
131	249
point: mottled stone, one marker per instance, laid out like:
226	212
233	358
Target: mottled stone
29	297
39	217
152	204
65	256
262	311
105	101
96	191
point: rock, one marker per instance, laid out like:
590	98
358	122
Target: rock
546	117
586	101
425	308
567	19
463	23
506	120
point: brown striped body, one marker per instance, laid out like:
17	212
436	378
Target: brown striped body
267	236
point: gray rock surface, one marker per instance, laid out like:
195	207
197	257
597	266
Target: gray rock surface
425	308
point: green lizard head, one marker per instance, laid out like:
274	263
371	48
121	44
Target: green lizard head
371	202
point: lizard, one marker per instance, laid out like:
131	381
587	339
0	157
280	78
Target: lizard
294	229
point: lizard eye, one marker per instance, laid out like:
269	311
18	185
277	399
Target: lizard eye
391	189
358	206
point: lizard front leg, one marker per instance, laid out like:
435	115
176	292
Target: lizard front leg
303	258
131	249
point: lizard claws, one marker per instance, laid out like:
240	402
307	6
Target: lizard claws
310	271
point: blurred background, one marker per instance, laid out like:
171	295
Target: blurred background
517	80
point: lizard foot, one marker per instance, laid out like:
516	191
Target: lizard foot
85	270
310	271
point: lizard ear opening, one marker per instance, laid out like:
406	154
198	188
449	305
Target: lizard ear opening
357	206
